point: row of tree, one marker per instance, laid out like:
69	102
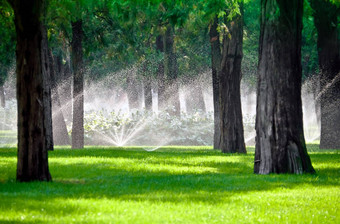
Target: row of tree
280	144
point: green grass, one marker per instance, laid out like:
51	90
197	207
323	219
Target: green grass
170	185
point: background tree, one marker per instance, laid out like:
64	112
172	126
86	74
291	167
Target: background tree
216	69
171	69
231	125
71	14
226	74
78	85
60	134
326	22
32	150
280	143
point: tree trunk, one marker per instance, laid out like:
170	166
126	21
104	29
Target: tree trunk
280	143
317	106
60	134
31	76
326	20
2	96
216	69
161	87
47	91
231	124
160	76
64	85
171	72
78	86
148	94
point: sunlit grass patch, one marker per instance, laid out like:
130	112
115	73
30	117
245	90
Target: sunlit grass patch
169	185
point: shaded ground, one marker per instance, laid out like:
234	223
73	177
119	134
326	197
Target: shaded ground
170	185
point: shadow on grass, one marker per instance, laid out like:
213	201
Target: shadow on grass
153	180
163	176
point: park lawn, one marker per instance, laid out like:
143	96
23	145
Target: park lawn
169	185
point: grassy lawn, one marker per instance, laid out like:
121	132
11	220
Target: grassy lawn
169	185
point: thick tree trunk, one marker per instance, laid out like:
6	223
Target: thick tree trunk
2	96
326	20
32	151
280	142
78	86
216	69
60	134
231	124
47	91
171	72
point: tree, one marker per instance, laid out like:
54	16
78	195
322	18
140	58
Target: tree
226	74
32	150
160	75
147	81
70	18
216	69
60	134
280	143
171	70
231	125
78	85
47	89
326	22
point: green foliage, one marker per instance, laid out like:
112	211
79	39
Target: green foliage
7	39
309	54
170	185
335	2
251	34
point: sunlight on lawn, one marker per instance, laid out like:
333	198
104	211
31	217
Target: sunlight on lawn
173	185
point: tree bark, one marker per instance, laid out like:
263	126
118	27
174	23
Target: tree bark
231	124
326	20
280	143
171	72
31	76
216	69
47	91
60	134
78	86
2	96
